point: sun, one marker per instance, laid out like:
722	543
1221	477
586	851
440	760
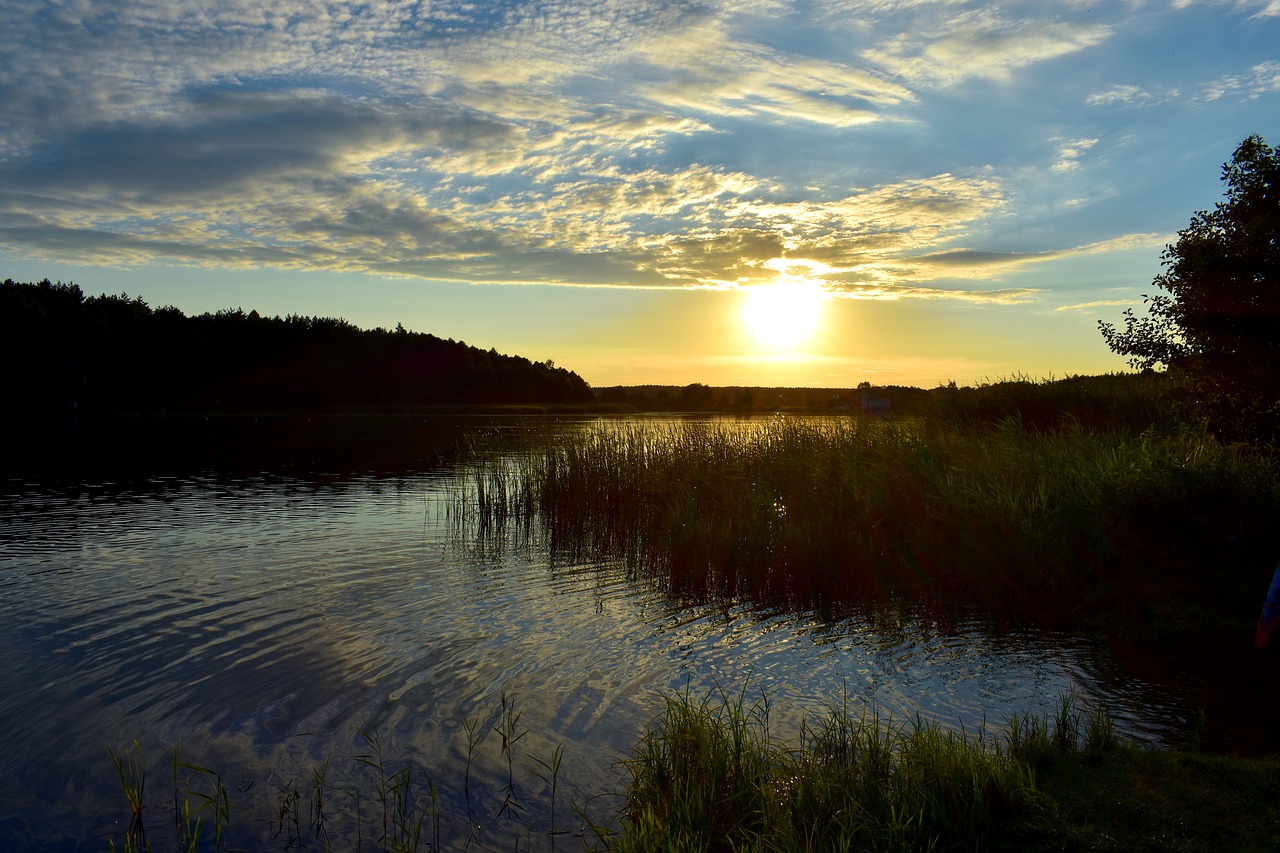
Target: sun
785	315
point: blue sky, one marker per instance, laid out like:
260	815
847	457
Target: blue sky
946	190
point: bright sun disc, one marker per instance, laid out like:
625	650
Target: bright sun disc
783	316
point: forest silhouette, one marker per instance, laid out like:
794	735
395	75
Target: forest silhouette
62	350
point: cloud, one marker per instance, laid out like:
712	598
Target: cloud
980	45
742	81
737	257
1269	8
1085	307
605	144
913	212
223	144
1250	84
1069	154
889	291
1258	80
978	264
325	183
916	276
1126	94
525	143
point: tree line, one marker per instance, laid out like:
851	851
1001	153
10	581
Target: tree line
1113	401
60	349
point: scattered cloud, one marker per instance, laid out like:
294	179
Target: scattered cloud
1099	303
981	45
641	144
972	264
1069	154
741	81
1268	8
1258	80
1125	94
892	290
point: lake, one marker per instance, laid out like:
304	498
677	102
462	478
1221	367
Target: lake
267	616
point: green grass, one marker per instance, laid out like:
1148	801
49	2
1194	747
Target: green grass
709	775
1136	799
1171	529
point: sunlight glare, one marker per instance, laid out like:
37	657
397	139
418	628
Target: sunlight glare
785	315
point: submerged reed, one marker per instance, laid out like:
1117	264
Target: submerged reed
389	802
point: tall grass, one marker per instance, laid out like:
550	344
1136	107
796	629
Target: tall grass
823	511
711	775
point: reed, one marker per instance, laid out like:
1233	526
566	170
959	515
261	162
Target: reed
710	774
399	800
131	770
819	512
210	797
1038	740
391	802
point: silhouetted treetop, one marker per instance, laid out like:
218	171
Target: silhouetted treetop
1217	323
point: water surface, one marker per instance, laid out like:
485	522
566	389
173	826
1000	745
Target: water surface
264	621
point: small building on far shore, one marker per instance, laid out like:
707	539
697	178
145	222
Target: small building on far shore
874	404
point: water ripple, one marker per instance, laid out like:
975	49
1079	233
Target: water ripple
267	621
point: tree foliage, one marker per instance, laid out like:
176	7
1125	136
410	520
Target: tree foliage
1218	322
118	353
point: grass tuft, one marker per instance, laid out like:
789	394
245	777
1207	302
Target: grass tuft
710	775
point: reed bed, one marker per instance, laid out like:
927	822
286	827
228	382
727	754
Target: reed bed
819	511
710	775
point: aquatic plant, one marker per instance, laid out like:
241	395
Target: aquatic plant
825	511
710	774
131	770
393	803
189	821
398	799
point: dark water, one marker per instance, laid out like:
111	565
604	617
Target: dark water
264	619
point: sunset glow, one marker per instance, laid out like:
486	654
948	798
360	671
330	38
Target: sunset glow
783	316
537	177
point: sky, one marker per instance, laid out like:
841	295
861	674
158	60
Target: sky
732	192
